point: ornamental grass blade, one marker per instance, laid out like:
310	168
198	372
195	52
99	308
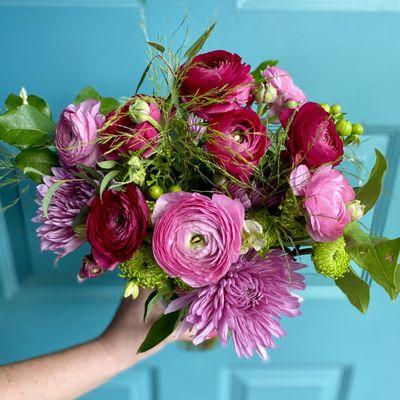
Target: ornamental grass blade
199	43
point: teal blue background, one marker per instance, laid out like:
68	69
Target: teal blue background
337	51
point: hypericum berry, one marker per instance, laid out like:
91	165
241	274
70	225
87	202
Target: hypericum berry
326	107
175	188
336	109
344	127
357	129
331	259
155	192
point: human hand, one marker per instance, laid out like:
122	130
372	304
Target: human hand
126	332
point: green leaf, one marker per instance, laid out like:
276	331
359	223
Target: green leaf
26	126
87	93
49	196
39	104
369	193
257	72
90	171
107	179
108	164
160	330
80	219
356	290
157	46
108	104
153	298
199	43
376	255
13	101
39	159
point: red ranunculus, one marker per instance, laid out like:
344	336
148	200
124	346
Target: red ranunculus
237	140
216	82
121	134
116	225
313	139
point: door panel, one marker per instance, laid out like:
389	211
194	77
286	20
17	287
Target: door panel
349	53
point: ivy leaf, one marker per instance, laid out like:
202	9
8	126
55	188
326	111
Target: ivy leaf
39	104
87	93
107	179
369	193
160	330
153	298
41	160
157	46
199	43
25	126
356	290
376	255
257	72
13	101
108	104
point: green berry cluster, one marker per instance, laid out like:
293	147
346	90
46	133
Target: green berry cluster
350	132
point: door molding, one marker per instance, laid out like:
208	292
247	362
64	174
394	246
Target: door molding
321	5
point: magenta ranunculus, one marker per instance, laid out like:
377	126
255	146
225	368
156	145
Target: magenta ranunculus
197	238
237	140
247	302
116	225
216	82
122	135
326	195
313	139
286	90
77	134
56	232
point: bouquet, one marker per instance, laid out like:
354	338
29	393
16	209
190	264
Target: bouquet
206	191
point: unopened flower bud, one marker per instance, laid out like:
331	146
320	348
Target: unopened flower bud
139	111
131	289
356	209
291	104
265	94
89	269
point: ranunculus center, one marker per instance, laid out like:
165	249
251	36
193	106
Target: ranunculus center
239	137
197	240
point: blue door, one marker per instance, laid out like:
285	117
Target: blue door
345	51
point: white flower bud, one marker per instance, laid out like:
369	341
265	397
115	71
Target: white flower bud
139	111
252	237
356	209
265	94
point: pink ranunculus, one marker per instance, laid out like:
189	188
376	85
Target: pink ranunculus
285	87
116	225
197	238
216	82
313	139
326	196
237	140
299	179
76	134
121	135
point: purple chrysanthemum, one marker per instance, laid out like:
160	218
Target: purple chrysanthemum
248	302
55	232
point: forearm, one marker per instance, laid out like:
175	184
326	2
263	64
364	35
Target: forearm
60	376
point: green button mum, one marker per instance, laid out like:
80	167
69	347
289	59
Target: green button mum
143	270
331	259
